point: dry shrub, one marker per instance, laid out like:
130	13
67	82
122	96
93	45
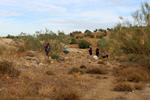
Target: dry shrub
7	68
135	77
75	70
123	87
29	53
67	94
83	67
2	50
4	96
20	92
138	86
101	62
50	72
96	70
134	74
46	90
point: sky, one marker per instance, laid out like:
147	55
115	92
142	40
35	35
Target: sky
29	16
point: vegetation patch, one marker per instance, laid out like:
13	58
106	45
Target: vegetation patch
67	94
84	44
133	74
7	68
123	87
73	41
75	70
50	72
54	56
96	70
2	49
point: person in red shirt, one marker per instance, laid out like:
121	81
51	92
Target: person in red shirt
47	49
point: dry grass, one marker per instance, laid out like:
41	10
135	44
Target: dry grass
6	68
2	50
123	87
20	92
96	70
138	86
133	74
29	53
67	94
83	67
75	70
50	72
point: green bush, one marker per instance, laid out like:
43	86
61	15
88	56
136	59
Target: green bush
103	44
54	56
84	44
73	41
135	39
99	36
87	31
91	35
37	41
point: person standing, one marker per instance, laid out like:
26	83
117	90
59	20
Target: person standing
90	51
97	52
47	49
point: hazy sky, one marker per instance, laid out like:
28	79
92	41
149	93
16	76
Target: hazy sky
28	16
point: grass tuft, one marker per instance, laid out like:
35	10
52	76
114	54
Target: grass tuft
7	68
123	87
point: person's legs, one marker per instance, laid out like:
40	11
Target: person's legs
47	52
107	56
97	54
90	52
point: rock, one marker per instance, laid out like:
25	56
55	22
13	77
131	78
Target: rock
66	58
30	58
52	62
27	65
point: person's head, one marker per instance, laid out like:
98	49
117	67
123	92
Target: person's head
47	43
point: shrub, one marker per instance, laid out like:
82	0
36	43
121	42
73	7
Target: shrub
123	87
7	68
103	44
74	70
84	44
96	70
87	31
99	36
77	37
21	49
83	67
133	58
67	94
134	74
135	77
50	72
73	41
138	87
91	35
135	39
2	49
54	56
36	42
